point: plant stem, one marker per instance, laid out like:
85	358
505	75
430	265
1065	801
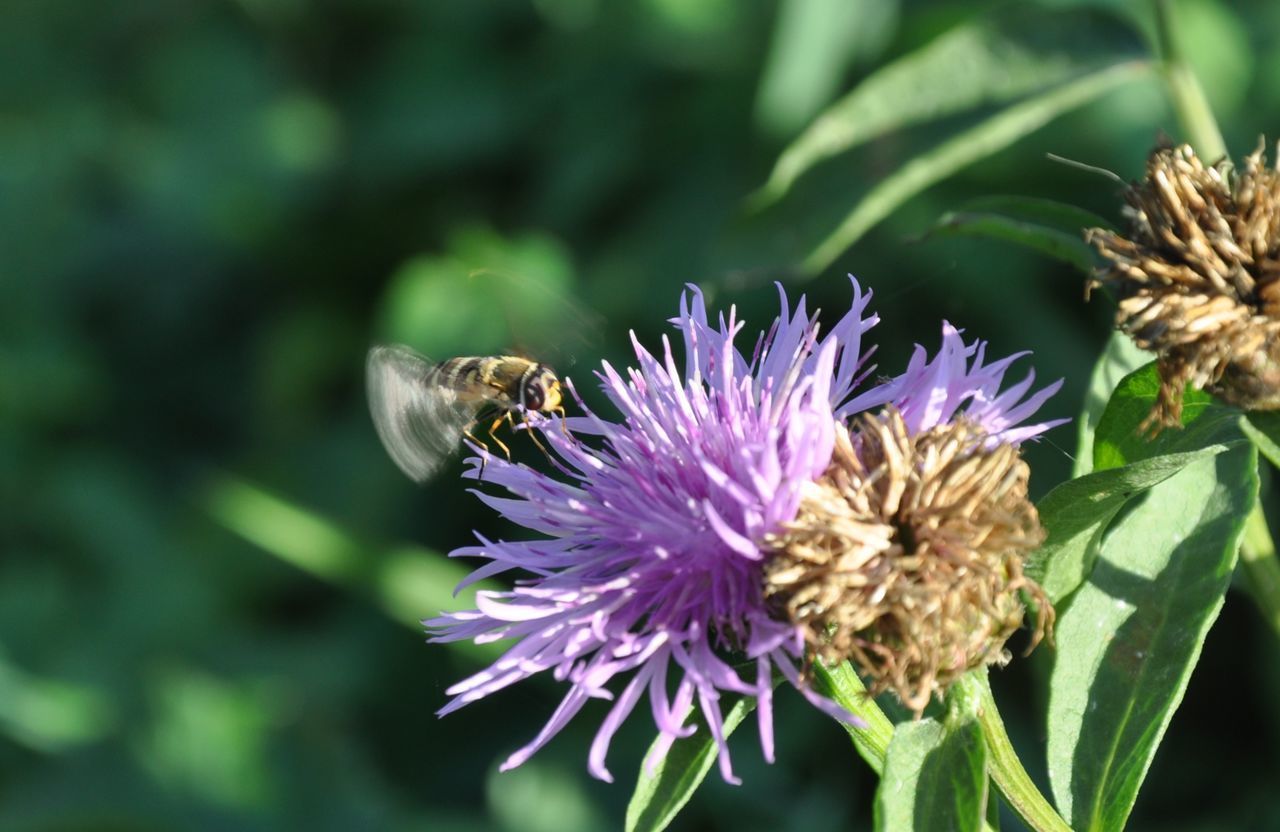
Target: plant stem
842	684
1187	95
1003	765
1258	554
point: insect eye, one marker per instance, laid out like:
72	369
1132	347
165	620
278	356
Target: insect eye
533	399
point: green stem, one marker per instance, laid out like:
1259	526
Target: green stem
1003	765
842	684
1188	96
1258	554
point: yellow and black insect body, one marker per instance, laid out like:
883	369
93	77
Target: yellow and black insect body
423	410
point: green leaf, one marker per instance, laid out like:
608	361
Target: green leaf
978	142
660	794
407	582
1120	358
966	67
1060	245
814	43
210	735
539	796
1261	567
935	777
1131	635
1076	514
1047	212
1263	429
1051	228
486	294
49	714
1118	439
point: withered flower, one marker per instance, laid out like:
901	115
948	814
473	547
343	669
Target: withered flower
1198	278
906	555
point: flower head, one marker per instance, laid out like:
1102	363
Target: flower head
1198	278
652	561
906	555
662	526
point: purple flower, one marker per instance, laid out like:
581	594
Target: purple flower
931	393
651	568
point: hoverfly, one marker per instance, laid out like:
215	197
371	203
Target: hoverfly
423	410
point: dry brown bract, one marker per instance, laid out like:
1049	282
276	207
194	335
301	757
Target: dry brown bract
906	557
1198	278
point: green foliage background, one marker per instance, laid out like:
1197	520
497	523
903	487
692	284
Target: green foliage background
209	210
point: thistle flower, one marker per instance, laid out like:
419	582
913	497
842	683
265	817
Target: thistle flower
653	561
660	528
1198	278
906	555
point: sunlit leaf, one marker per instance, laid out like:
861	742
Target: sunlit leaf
966	67
963	149
814	42
1263	429
1076	514
409	583
50	715
935	778
487	294
1119	440
661	792
1051	228
1131	635
541	797
210	736
1120	358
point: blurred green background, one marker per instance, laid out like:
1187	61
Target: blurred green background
210	573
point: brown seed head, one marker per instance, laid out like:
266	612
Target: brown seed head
906	556
1198	278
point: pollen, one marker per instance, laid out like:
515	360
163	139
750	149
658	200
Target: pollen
906	557
1197	279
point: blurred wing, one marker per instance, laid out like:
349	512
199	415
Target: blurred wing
542	319
419	420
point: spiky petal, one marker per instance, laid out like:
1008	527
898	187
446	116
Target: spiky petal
652	564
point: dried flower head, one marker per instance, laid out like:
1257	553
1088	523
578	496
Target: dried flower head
1198	278
906	556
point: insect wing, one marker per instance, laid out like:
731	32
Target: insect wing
419	419
542	319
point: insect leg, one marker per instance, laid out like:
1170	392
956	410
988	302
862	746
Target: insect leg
529	429
492	435
484	455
